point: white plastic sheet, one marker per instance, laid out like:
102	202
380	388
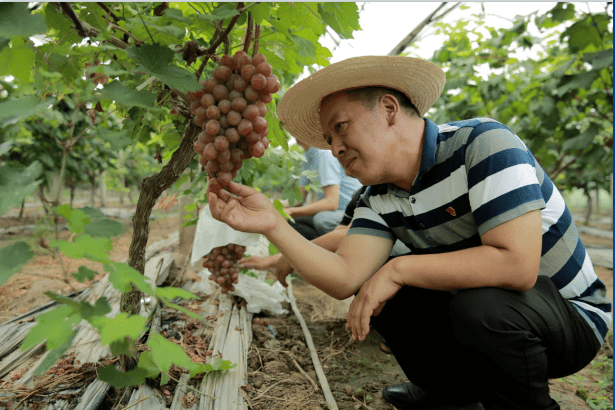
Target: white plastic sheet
260	296
211	233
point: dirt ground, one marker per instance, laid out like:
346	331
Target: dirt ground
281	372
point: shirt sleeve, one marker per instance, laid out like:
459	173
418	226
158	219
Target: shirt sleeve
349	211
366	221
329	169
502	178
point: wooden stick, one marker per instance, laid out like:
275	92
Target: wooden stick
308	337
307	376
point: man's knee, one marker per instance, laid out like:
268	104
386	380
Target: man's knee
478	314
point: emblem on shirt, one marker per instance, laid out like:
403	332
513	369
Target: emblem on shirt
451	211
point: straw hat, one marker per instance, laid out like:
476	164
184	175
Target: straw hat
298	110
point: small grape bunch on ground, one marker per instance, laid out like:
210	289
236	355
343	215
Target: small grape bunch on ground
222	262
231	108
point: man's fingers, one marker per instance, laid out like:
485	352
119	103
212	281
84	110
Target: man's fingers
213	205
241	190
225	215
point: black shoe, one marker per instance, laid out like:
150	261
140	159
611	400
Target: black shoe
408	396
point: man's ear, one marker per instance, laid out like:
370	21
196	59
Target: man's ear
390	107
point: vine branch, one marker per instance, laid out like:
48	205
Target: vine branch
246	43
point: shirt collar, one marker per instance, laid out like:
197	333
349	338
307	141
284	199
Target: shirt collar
428	159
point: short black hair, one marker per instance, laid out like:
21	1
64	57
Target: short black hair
369	97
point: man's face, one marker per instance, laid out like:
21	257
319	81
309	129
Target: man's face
360	137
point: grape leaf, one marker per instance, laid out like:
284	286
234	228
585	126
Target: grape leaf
17	60
122	276
147	363
76	219
172	293
181	309
119	327
85	246
128	97
93	213
17	182
54	355
56	327
119	379
12	258
104	227
15	109
156	60
17	20
219	13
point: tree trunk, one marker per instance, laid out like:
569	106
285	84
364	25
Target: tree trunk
72	195
103	190
186	235
596	199
122	190
151	189
589	205
93	195
23	205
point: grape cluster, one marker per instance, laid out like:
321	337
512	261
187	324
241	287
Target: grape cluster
222	263
231	108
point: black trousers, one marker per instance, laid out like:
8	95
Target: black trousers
305	226
500	346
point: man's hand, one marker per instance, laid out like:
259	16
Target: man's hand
282	270
248	211
259	262
370	300
290	211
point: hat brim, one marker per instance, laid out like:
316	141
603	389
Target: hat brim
421	80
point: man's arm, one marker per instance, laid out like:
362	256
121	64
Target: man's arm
329	203
339	275
509	257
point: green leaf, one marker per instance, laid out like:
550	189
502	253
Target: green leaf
261	12
562	12
84	274
118	139
85	246
17	60
119	379
581	34
120	327
56	327
17	20
17	182
92	213
177	15
65	300
104	227
172	293
155	59
16	109
128	97
122	276
220	13
600	59
76	219
148	364
182	309
54	355
12	258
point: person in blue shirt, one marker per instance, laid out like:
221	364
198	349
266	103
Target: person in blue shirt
498	294
324	214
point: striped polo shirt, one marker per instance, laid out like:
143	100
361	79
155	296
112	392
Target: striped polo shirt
475	175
